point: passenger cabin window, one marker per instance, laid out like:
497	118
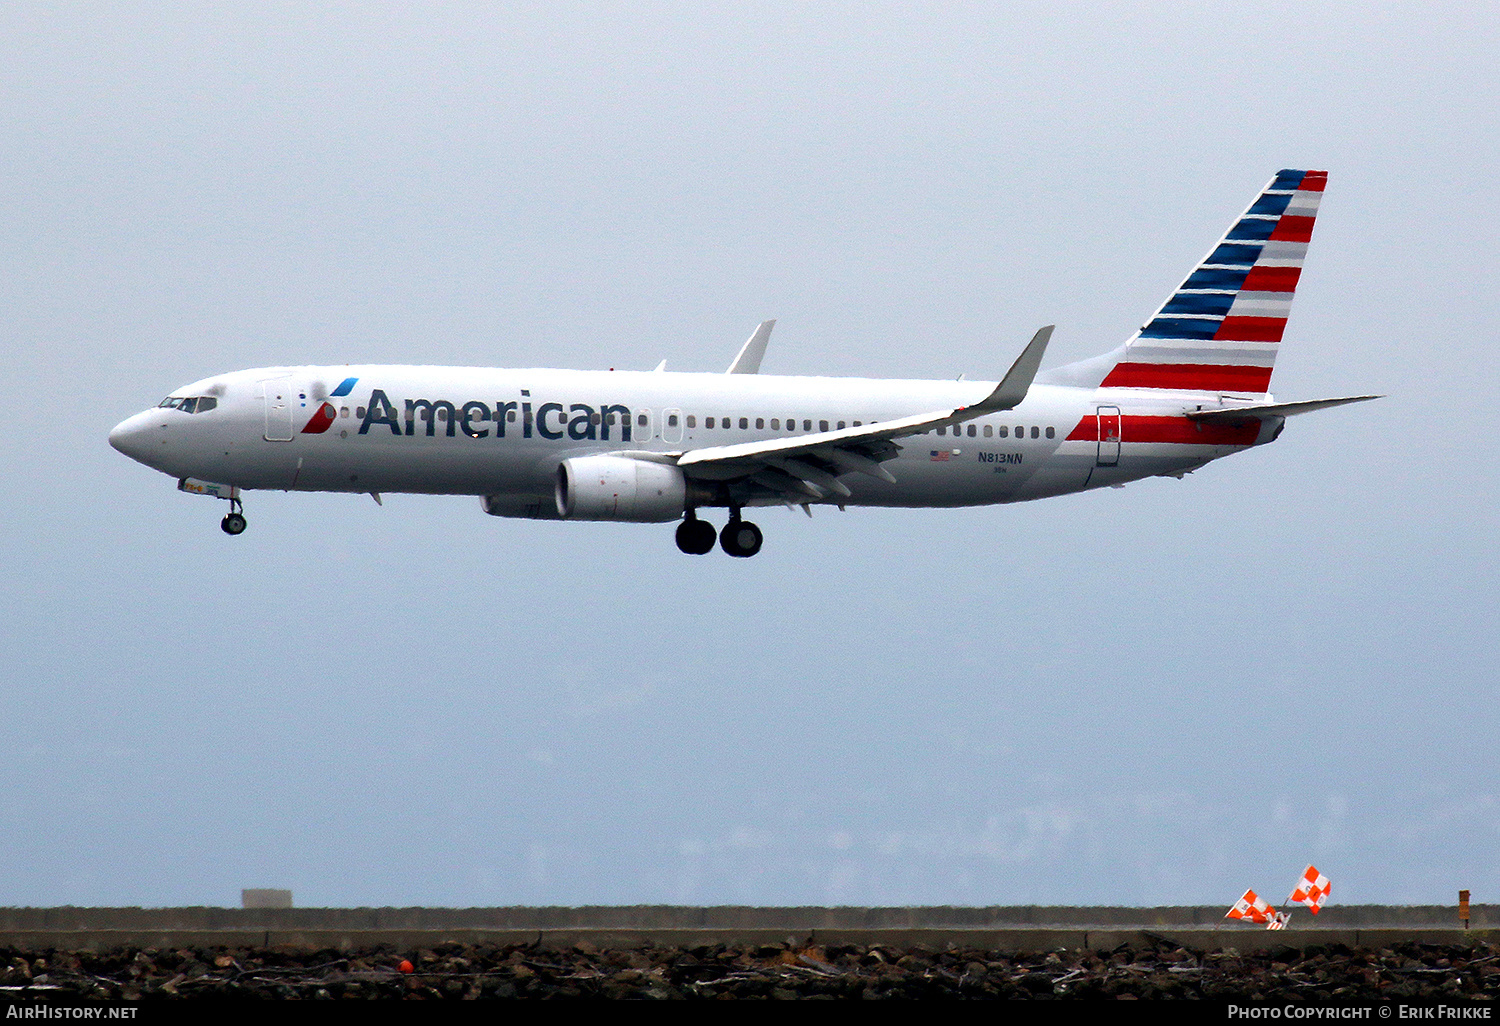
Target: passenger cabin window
1036	432
671	419
1004	431
1051	432
807	425
989	429
822	425
708	422
972	430
775	423
760	423
692	421
744	423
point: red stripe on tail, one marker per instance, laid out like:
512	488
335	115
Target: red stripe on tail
1272	279
1251	329
1292	228
1196	377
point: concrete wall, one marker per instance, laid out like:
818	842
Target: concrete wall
672	917
1026	928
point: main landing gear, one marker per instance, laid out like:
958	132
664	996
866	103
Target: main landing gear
694	536
234	521
739	538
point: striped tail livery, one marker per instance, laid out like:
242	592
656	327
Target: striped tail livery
1219	332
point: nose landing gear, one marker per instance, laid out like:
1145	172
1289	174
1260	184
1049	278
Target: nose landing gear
234	521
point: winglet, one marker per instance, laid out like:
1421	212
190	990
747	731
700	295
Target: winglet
1009	393
748	362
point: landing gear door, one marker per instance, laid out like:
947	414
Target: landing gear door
1109	436
277	393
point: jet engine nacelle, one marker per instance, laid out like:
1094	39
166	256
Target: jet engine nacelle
620	488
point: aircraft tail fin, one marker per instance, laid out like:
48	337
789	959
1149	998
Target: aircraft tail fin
1221	329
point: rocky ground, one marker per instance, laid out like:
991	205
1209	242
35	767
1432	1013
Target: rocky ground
1412	972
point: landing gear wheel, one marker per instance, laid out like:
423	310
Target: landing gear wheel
740	538
695	537
233	523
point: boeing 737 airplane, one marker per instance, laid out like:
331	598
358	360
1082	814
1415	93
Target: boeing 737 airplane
654	447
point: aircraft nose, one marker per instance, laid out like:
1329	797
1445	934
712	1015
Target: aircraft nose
132	436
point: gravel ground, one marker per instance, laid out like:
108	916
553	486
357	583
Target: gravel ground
1411	972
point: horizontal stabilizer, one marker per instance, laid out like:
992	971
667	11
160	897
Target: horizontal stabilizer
1243	414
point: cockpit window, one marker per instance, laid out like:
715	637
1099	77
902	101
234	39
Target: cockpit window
189	404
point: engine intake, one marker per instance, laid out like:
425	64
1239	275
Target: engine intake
620	488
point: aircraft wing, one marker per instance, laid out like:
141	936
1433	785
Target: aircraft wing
802	468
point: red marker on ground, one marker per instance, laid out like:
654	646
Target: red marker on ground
405	966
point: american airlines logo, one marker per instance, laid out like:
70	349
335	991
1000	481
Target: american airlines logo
323	417
578	421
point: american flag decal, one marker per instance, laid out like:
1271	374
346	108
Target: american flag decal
941	455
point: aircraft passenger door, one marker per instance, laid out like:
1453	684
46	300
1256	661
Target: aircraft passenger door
277	393
1109	436
671	426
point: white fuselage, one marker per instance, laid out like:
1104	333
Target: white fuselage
1191	385
503	433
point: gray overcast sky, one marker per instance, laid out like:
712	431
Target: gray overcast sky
1162	694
